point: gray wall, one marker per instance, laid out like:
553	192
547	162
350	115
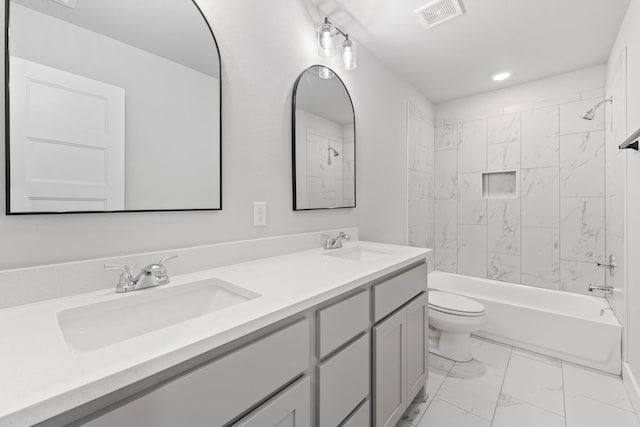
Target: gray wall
261	59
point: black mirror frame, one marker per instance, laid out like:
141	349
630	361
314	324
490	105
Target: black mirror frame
293	144
8	135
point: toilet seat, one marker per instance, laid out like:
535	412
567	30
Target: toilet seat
453	304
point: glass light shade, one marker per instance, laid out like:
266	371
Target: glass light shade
349	55
503	75
325	73
326	34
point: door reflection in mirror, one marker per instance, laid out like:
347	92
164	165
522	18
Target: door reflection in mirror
114	106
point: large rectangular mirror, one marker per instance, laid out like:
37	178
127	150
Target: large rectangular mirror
324	142
114	105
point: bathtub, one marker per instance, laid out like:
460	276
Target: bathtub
558	324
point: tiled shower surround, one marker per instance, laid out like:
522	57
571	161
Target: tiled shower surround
551	232
420	176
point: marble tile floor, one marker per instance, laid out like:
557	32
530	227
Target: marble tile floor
505	386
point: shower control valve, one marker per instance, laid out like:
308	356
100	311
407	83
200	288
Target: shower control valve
610	265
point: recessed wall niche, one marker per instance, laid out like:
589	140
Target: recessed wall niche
499	184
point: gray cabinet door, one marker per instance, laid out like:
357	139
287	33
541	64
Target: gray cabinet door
417	345
390	370
291	408
343	382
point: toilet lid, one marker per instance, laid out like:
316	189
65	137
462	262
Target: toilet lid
454	304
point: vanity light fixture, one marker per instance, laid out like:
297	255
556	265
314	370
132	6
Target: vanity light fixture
325	73
327	32
500	76
349	54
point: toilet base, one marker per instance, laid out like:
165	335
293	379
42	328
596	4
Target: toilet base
455	346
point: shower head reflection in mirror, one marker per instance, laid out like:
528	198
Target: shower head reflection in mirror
332	153
323	142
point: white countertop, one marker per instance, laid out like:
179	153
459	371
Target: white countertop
40	377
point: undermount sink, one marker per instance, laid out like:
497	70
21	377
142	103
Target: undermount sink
358	253
92	326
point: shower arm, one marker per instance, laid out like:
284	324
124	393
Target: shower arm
609	100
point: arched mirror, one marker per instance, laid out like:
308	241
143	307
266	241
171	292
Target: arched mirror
114	105
324	142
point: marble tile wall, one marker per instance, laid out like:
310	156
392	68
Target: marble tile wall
420	171
330	180
348	165
616	130
553	232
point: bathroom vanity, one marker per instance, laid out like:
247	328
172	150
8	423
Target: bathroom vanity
316	338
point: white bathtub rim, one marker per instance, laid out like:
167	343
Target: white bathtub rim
608	367
608	319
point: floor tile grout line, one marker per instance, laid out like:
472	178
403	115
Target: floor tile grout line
605	403
435	393
506	370
465	410
533	405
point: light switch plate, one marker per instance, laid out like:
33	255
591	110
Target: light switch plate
259	213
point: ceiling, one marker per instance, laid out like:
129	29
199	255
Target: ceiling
173	29
534	38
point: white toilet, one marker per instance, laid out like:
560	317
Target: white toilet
452	319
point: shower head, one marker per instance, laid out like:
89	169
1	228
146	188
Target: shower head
591	114
334	152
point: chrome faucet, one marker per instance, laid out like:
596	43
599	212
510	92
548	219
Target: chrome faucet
611	265
605	289
150	276
335	242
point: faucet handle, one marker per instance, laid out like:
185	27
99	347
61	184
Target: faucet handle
126	278
159	270
328	241
169	258
126	270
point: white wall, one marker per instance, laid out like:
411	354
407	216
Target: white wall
158	126
552	231
629	37
264	47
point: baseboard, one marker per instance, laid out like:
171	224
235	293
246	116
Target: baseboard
633	390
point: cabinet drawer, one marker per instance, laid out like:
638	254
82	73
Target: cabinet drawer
291	408
388	296
361	418
342	321
223	389
344	382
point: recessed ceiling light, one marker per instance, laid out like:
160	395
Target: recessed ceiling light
502	75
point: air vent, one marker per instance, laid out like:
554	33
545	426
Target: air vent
438	12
